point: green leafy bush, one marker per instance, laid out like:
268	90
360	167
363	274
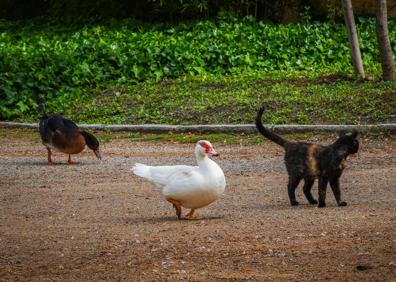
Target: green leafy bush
42	60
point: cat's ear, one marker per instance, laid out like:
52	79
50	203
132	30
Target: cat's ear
354	134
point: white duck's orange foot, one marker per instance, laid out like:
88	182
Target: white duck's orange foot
191	215
177	205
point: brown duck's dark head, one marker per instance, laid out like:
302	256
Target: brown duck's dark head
350	141
92	143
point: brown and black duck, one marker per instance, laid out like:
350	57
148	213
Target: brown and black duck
63	135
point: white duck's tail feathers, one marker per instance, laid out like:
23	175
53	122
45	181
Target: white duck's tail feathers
161	175
141	170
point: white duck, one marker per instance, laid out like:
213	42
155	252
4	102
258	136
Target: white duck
189	186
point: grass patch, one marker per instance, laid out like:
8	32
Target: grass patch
233	99
183	138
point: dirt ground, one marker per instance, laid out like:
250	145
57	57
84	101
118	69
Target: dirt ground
95	221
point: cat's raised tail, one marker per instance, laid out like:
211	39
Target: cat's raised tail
267	133
42	110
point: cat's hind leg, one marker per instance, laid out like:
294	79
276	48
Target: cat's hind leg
291	189
308	183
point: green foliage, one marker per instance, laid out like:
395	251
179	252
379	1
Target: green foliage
58	61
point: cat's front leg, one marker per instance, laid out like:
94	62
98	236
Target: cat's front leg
335	186
322	191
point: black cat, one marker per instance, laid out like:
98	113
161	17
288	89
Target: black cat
310	161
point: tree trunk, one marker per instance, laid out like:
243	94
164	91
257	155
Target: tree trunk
387	63
353	38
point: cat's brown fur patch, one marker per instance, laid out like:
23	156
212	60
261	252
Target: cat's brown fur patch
312	161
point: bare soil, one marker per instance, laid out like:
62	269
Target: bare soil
95	221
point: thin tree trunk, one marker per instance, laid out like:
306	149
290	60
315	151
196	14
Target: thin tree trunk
255	10
387	63
353	38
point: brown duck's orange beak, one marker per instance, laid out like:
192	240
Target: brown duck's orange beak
355	155
97	154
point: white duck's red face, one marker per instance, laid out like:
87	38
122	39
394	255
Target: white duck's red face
207	148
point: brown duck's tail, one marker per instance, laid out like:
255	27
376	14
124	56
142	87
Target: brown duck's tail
266	133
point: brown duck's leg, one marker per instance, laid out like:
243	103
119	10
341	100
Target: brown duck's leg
69	161
176	205
49	156
192	214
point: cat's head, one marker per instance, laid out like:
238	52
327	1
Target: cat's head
349	141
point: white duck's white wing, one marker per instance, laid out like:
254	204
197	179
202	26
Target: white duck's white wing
162	175
184	184
192	189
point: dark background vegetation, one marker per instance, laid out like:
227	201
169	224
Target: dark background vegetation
283	11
